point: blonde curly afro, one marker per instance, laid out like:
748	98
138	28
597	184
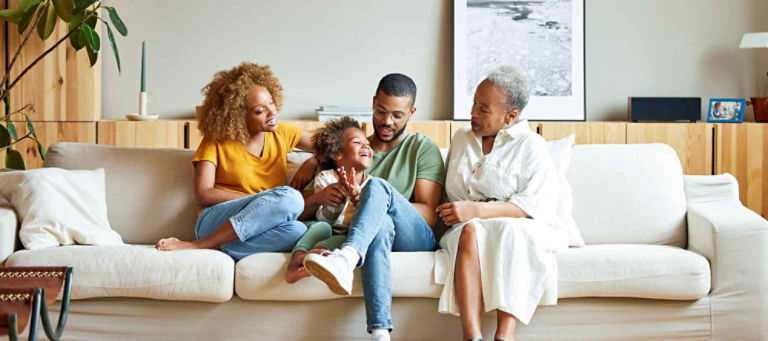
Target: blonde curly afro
222	115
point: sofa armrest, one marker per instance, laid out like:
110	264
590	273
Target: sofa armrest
735	241
8	227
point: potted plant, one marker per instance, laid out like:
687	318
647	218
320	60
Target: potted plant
42	16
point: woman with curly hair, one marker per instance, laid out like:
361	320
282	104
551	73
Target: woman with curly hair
240	167
343	152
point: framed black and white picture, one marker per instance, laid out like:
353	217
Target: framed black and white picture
543	39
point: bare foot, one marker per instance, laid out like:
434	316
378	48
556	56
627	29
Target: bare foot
296	269
173	243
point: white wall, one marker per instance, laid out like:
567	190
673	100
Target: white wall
324	52
671	48
334	52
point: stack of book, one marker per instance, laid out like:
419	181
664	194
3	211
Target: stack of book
332	112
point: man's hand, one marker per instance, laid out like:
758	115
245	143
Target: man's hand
304	174
458	212
332	196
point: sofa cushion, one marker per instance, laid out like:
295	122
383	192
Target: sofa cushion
149	191
262	277
643	271
628	194
138	271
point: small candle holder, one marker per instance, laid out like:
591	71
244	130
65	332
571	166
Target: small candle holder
142	115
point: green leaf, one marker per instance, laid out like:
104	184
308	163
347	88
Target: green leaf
12	15
5	137
114	47
81	6
26	18
30	127
12	131
92	55
26	5
91	38
64	9
77	39
116	21
47	22
13	159
92	20
40	150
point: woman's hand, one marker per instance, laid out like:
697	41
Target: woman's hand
304	174
332	195
458	212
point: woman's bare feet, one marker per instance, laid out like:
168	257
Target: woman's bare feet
296	269
173	243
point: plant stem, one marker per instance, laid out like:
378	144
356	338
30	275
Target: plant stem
6	92
17	112
15	142
23	42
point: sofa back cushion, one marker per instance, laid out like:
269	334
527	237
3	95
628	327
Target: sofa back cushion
628	194
149	191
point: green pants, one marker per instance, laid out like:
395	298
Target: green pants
319	234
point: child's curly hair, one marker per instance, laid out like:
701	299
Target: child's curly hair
327	140
222	115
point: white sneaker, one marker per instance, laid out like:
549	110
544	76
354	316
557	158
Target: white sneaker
380	337
331	269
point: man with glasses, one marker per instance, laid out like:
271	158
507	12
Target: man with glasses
396	209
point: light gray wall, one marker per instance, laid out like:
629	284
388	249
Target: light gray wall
324	52
334	52
671	48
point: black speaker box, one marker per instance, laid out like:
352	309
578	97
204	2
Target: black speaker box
664	109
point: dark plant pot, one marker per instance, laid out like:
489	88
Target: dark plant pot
760	105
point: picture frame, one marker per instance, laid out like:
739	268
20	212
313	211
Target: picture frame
544	40
726	110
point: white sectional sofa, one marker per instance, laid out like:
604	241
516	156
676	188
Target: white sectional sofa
668	256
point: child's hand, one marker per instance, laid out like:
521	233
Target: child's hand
353	189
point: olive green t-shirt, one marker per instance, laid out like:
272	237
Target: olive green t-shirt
415	157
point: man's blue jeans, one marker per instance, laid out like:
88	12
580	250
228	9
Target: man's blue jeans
263	222
384	221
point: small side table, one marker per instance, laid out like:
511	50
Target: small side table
26	292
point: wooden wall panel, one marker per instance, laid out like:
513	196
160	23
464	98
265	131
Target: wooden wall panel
304	124
456	125
438	131
143	134
586	132
693	142
742	150
62	86
194	136
49	133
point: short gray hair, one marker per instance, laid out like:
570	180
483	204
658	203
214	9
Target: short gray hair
513	84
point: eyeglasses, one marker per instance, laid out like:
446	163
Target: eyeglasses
382	115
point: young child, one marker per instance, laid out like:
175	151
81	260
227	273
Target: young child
343	152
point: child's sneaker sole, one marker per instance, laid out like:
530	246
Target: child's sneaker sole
326	276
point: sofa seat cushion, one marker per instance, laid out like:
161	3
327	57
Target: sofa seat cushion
138	271
262	277
633	270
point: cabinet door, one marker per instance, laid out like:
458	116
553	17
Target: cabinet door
742	150
692	141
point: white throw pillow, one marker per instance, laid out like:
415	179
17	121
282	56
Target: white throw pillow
562	153
59	207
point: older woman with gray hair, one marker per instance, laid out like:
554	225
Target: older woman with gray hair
502	190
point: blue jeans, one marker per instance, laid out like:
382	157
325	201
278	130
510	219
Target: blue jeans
263	222
384	222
